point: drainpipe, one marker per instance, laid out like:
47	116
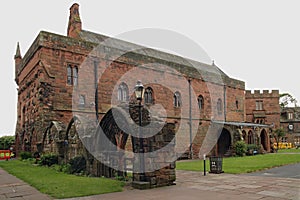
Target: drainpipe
190	118
96	90
225	104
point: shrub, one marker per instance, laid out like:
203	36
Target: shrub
240	148
48	159
25	155
65	168
77	165
252	148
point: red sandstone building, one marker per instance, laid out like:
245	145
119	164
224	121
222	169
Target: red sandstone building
290	122
65	81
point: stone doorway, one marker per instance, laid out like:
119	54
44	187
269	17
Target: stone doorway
224	142
264	139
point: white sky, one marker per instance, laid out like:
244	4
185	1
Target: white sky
252	40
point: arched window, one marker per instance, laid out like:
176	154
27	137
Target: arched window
250	137
148	96
219	106
69	75
200	102
177	99
72	75
123	92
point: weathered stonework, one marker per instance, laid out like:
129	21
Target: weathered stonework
58	113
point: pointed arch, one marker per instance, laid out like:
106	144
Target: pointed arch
264	139
250	137
149	96
72	140
224	142
200	102
123	92
53	133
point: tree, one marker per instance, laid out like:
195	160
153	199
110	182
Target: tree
6	142
286	99
278	134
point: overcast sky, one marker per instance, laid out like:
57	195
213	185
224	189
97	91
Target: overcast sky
252	40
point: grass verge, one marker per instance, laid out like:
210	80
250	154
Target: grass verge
247	164
57	184
289	150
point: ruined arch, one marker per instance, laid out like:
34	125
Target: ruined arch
110	138
52	134
114	131
72	141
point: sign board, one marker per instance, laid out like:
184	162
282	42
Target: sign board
5	154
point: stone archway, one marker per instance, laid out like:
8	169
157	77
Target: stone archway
264	140
250	137
224	142
111	138
110	142
53	134
72	143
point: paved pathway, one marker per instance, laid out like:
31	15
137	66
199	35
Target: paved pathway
189	186
288	171
13	188
193	185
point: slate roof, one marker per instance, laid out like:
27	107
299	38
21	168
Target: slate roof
205	70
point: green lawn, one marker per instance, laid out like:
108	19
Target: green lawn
58	184
247	164
289	150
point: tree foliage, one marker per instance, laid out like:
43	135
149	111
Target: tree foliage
286	99
278	134
6	142
240	148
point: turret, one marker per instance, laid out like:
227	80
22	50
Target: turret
18	60
74	26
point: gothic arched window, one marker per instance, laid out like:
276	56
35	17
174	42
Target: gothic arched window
200	102
148	96
123	92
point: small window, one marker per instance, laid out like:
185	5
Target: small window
219	107
259	105
81	100
200	102
177	99
148	96
69	75
72	75
123	92
290	115
237	104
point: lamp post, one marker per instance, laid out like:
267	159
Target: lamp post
139	94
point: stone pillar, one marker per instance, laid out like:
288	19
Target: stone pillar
159	159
